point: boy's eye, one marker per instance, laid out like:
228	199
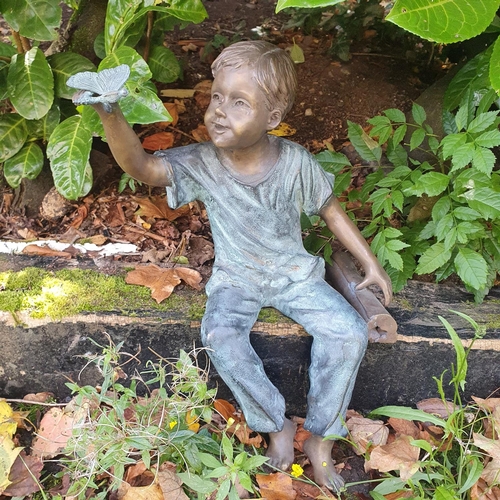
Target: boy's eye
240	103
215	97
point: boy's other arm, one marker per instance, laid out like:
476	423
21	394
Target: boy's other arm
128	151
348	234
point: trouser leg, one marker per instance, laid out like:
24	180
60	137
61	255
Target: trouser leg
339	342
230	314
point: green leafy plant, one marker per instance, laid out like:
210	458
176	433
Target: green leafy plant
116	427
35	84
439	214
449	469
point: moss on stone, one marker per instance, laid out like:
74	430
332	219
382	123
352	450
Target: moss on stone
271	315
58	294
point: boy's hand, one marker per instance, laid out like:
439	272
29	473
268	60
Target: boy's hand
105	87
378	276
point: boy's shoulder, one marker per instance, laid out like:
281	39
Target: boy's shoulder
201	151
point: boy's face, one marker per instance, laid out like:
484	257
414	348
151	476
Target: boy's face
237	117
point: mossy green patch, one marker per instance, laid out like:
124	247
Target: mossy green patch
271	315
57	294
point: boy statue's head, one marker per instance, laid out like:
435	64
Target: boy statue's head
272	70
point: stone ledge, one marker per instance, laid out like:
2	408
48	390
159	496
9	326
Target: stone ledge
43	354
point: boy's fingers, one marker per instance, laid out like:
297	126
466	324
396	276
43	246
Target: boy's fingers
384	286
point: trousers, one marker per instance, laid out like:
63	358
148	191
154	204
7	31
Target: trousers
340	338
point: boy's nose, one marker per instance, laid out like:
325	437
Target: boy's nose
219	112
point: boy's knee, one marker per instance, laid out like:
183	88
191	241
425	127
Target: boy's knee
217	337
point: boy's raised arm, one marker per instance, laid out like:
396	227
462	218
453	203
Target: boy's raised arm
127	149
348	234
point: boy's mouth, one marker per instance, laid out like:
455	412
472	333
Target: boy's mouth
218	127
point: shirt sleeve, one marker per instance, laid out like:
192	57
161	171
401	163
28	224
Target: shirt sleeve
183	188
317	185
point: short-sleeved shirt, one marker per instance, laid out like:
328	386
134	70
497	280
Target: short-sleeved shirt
255	228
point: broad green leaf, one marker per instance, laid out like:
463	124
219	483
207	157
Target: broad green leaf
408	414
476	469
27	163
399	134
119	14
363	143
450	238
433	258
68	151
395	115
451	142
332	161
13	134
482	122
394	259
441	208
462	118
285	4
139	69
431	183
466	213
43	128
164	64
382	128
488	139
473	76
196	483
485	200
209	460
462	156
495	66
297	54
444	226
6	51
418	113
443	493
36	19
144	107
471	267
417	138
64	65
31	84
342	183
191	11
223	489
444	21
483	160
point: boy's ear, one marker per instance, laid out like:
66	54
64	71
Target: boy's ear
274	119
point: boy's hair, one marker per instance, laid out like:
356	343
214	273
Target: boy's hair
274	70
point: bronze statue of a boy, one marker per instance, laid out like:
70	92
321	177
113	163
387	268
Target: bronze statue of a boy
254	187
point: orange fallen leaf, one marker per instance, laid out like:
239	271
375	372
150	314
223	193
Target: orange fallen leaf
300	437
170	482
276	486
55	429
404	427
481	491
151	492
365	432
283	130
225	409
399	455
489	404
200	133
162	281
192	421
160	140
173	111
156	207
45	252
202	93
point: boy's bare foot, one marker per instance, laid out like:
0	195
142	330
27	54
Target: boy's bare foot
280	451
319	453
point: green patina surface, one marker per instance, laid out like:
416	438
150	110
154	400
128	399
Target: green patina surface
63	293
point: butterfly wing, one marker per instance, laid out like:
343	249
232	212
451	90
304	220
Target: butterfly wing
113	79
101	83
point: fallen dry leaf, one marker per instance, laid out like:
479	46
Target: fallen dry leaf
158	141
300	437
481	491
24	475
276	486
44	251
491	473
436	406
151	492
162	281
173	110
26	234
55	430
156	207
283	130
177	93
200	133
225	409
39	397
199	250
489	404
399	455
170	483
404	427
365	432
8	455
202	94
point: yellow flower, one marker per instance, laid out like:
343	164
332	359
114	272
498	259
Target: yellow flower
172	424
297	470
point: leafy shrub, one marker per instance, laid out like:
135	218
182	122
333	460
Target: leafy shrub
35	85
